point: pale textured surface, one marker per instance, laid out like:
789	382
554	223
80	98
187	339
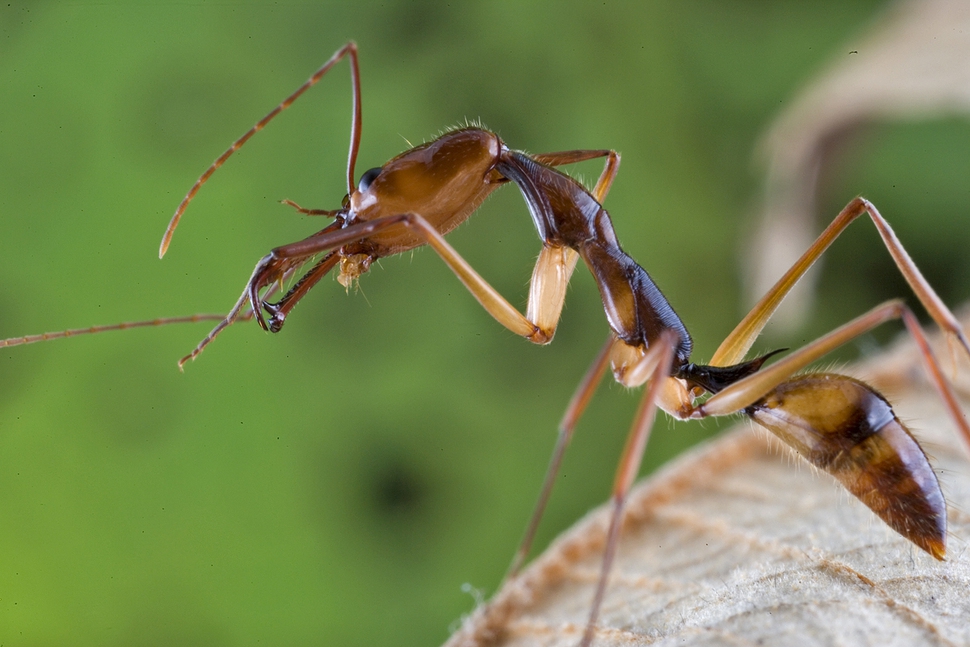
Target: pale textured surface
739	543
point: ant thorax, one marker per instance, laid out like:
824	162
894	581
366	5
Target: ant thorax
352	266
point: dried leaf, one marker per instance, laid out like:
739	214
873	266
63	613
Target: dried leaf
738	542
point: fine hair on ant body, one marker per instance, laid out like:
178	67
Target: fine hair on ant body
837	423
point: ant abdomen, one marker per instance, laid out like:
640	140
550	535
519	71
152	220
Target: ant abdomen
843	426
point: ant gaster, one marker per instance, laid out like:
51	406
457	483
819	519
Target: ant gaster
837	423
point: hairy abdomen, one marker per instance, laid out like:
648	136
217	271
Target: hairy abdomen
844	427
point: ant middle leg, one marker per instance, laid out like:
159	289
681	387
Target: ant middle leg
577	405
654	365
610	169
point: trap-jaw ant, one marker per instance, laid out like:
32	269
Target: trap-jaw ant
837	423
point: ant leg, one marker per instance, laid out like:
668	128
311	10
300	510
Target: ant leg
656	363
350	49
283	259
559	262
330	213
555	265
577	405
736	345
546	297
572	157
747	391
846	428
494	303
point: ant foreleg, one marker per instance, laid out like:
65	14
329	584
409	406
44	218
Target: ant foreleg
546	295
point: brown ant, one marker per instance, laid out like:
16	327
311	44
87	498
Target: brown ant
837	423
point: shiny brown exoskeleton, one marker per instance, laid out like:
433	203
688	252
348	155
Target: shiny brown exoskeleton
837	423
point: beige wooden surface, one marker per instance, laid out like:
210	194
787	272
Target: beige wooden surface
740	543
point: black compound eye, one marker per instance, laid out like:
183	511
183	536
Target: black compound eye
367	178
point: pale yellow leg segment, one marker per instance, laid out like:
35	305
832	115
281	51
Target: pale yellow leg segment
733	349
753	388
493	302
547	291
553	269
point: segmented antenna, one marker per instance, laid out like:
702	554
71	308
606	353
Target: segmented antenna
93	330
348	49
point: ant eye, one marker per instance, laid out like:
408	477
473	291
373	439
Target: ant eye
367	178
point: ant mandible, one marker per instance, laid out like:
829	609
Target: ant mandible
837	423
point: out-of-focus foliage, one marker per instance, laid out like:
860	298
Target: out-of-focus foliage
337	483
911	66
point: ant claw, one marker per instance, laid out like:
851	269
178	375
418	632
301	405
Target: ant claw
262	276
276	317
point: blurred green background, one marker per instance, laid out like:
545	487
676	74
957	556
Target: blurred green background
336	484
